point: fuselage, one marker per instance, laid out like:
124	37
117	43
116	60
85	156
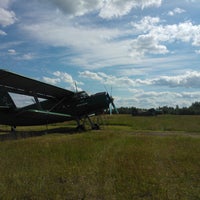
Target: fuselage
56	110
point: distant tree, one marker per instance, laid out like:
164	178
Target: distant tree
185	111
134	111
125	110
167	110
195	108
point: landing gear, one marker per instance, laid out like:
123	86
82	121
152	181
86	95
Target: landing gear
81	127
86	123
13	128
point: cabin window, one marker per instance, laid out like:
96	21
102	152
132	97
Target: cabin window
21	100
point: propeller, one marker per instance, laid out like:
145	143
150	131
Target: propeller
114	106
111	101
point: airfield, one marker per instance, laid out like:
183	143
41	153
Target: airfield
128	158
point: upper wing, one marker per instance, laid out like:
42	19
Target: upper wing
23	85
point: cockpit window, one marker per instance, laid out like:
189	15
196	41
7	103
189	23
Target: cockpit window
83	94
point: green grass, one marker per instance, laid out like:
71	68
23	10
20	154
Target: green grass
117	162
158	123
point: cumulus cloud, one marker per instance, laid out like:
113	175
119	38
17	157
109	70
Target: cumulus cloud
108	79
190	79
176	11
148	44
107	9
3	33
63	78
76	8
100	47
52	81
141	97
117	8
91	75
153	99
146	24
19	56
7	17
12	52
154	35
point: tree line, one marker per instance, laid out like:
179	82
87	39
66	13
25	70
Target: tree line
193	109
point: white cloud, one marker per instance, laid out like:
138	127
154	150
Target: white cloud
97	47
3	33
190	79
101	47
176	11
110	80
78	7
148	99
12	52
52	81
146	24
27	56
143	98
91	75
156	34
18	56
197	51
145	44
62	33
7	17
65	77
107	9
152	99
191	1
112	9
118	8
140	98
10	45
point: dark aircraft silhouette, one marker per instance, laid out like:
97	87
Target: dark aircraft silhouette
51	104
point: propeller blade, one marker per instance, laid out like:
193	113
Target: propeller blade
111	101
114	107
110	109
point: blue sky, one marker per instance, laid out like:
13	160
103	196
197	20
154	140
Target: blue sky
146	51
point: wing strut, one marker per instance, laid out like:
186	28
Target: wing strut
58	103
37	102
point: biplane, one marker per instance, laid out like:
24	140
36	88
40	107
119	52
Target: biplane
50	104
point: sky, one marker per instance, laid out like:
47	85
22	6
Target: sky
145	53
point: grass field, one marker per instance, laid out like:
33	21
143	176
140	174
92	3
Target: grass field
130	158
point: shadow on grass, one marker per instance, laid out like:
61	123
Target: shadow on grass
14	135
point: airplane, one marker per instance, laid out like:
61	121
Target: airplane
51	104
